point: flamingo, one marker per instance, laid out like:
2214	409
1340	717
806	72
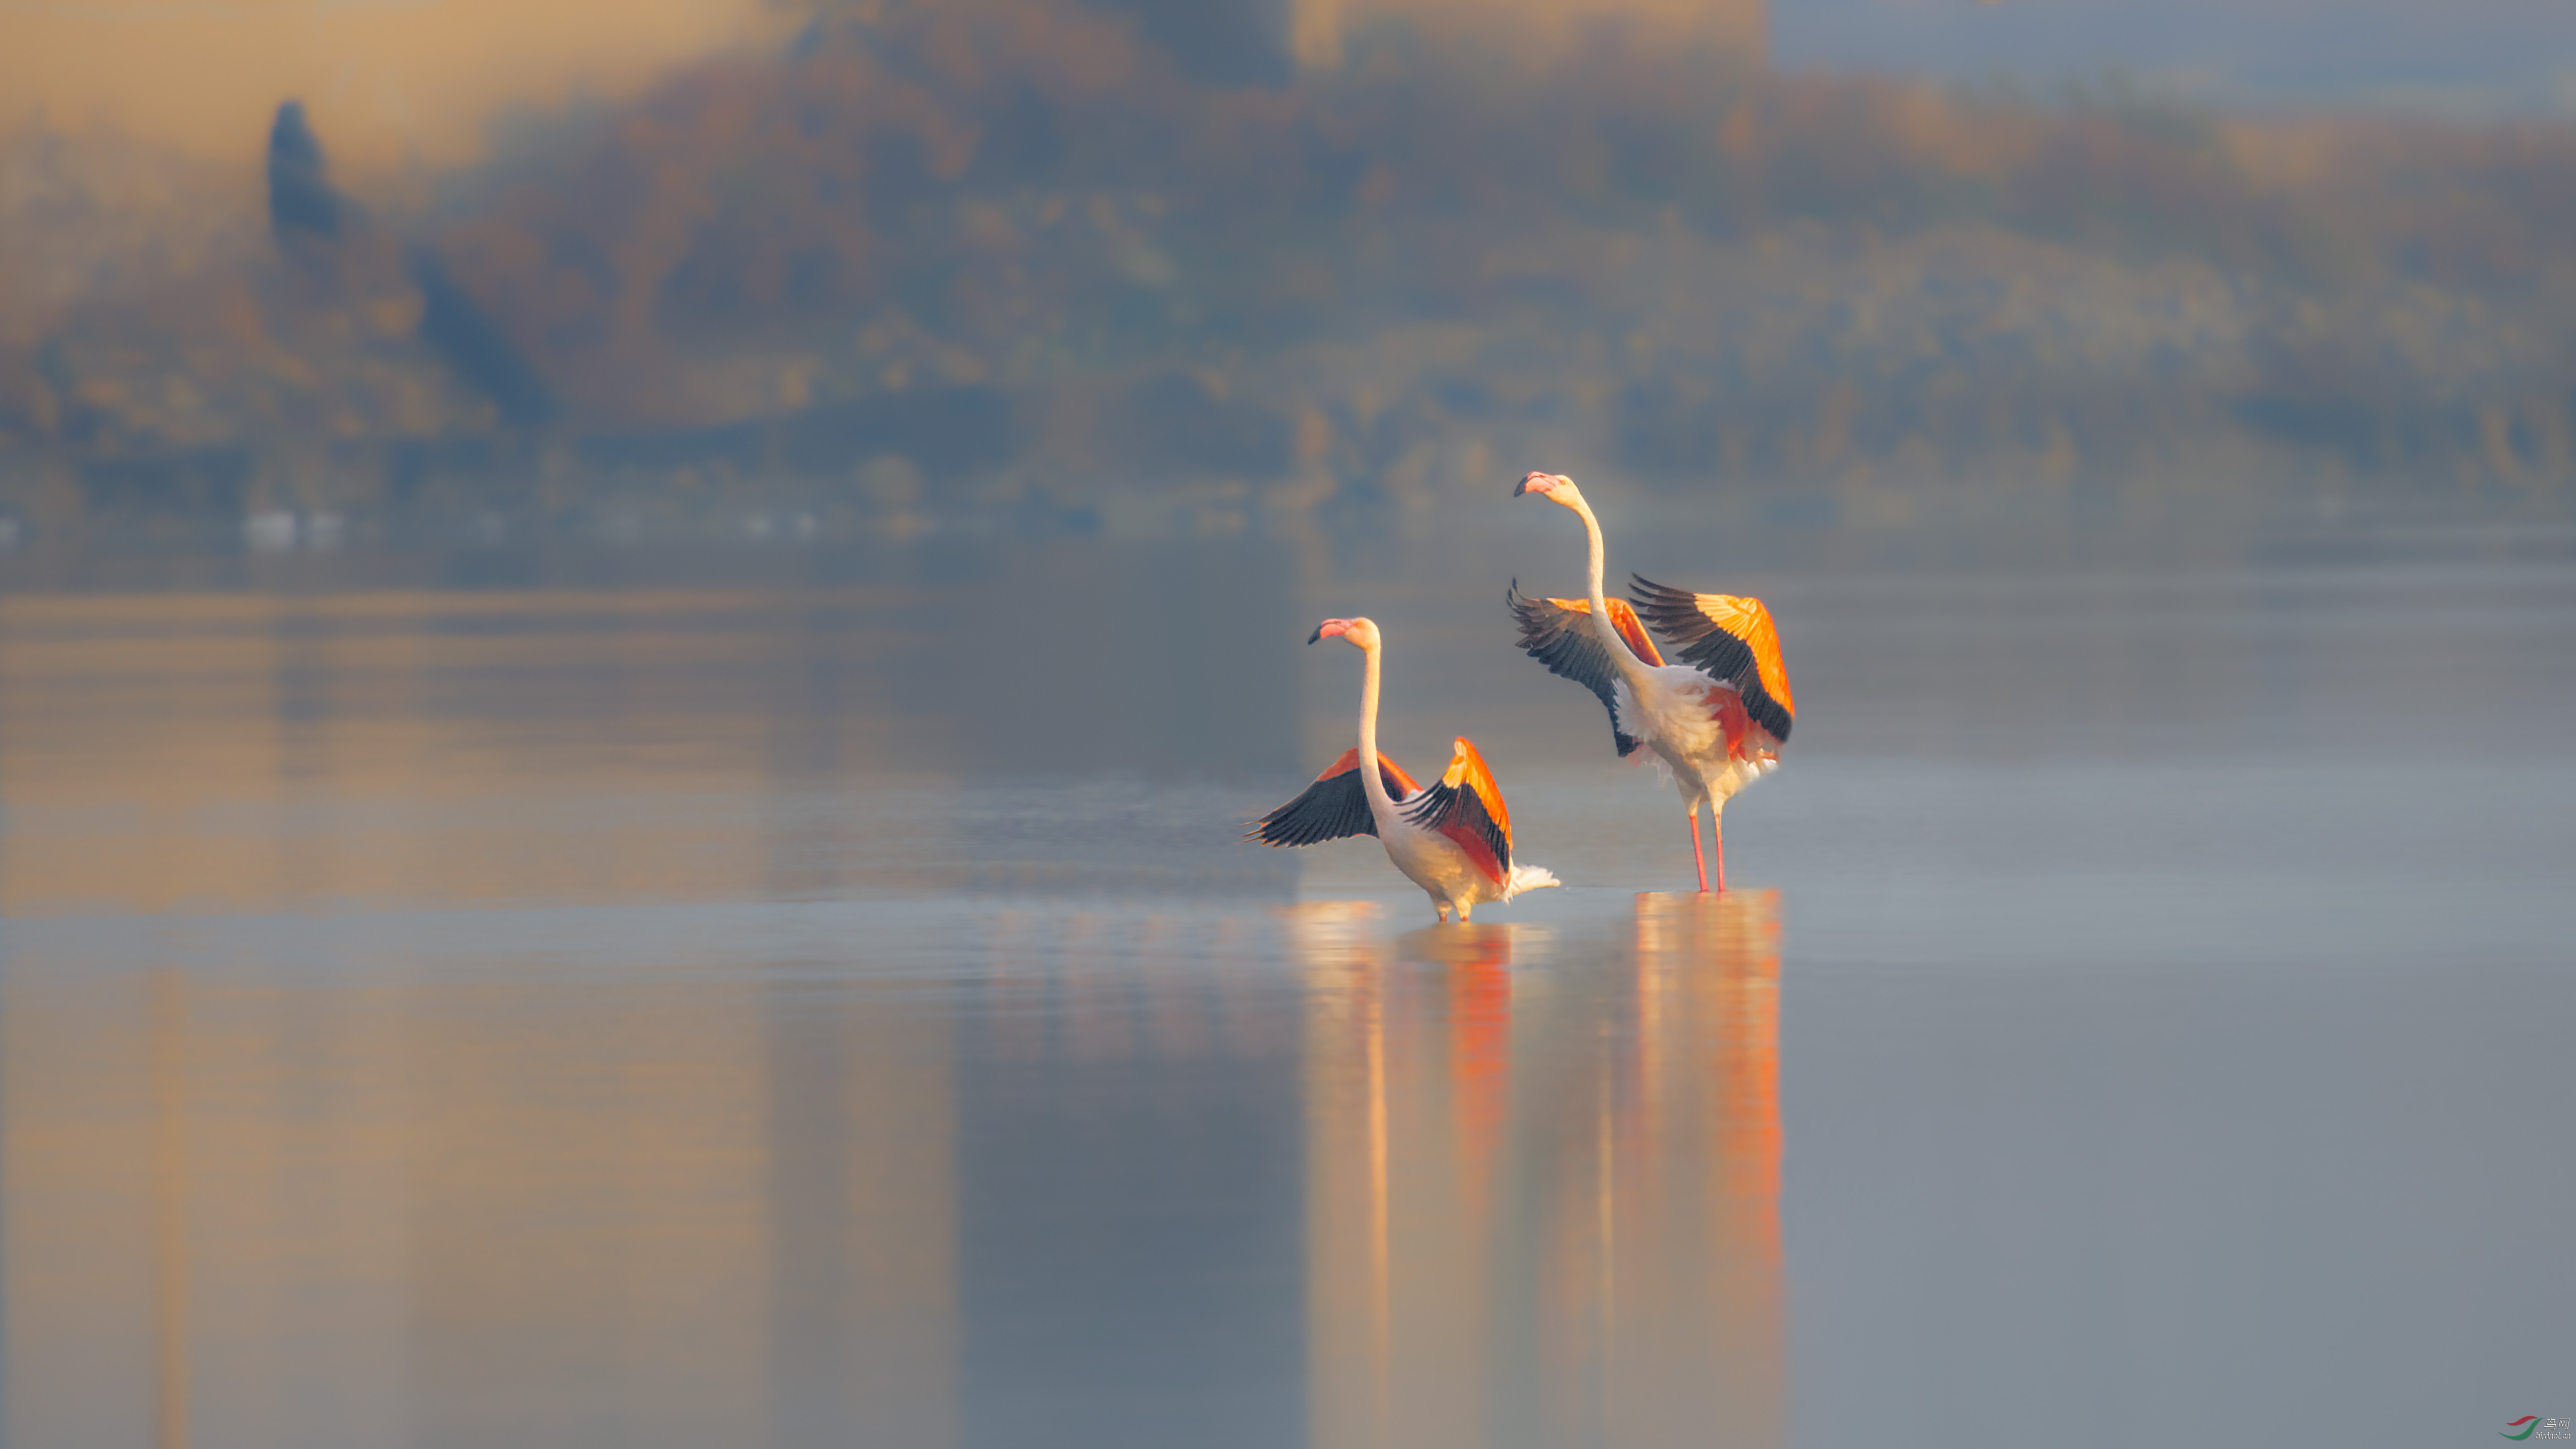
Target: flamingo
1716	720
1454	840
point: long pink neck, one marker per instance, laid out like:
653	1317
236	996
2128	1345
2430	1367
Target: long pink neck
1381	804
1621	656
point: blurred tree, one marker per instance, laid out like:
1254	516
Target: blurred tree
301	199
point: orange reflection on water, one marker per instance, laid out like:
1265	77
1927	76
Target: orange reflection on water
1692	1346
1543	1205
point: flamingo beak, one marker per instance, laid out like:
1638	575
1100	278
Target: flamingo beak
1329	629
1534	482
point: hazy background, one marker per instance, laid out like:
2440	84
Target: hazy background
679	275
634	640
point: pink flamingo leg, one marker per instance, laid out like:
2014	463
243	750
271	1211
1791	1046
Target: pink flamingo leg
1701	860
1717	845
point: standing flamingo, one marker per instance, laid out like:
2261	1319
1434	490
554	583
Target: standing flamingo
1716	720
1454	840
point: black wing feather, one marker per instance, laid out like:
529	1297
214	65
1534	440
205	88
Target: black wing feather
1566	643
1333	808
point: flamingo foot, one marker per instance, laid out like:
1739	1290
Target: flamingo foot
1700	859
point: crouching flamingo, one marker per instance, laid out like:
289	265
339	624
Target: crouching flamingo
1716	720
1454	840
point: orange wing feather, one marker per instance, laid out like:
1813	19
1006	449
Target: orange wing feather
1399	784
1467	807
1730	639
1623	619
1467	767
1747	620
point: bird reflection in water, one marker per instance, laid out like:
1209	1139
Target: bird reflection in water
1543	1206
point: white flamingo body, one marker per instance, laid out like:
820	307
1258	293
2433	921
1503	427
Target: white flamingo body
1435	862
1714	723
1452	839
1675	709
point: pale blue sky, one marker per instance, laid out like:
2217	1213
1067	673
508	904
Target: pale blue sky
2469	56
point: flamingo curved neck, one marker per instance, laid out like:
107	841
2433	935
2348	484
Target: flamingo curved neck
1624	658
1381	804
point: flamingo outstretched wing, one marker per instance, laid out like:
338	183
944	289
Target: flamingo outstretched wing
1334	807
1730	639
1558	633
1467	806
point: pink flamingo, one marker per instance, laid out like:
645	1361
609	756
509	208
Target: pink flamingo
1715	721
1454	840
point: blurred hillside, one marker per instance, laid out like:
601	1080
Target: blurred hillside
1045	265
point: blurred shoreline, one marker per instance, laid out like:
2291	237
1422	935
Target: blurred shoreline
1037	269
1728	540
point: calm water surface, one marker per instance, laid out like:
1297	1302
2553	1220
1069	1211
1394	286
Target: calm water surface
842	1015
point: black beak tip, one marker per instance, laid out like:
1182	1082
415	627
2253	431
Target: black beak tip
1317	637
1520	488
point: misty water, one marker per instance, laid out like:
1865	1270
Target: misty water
836	1009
